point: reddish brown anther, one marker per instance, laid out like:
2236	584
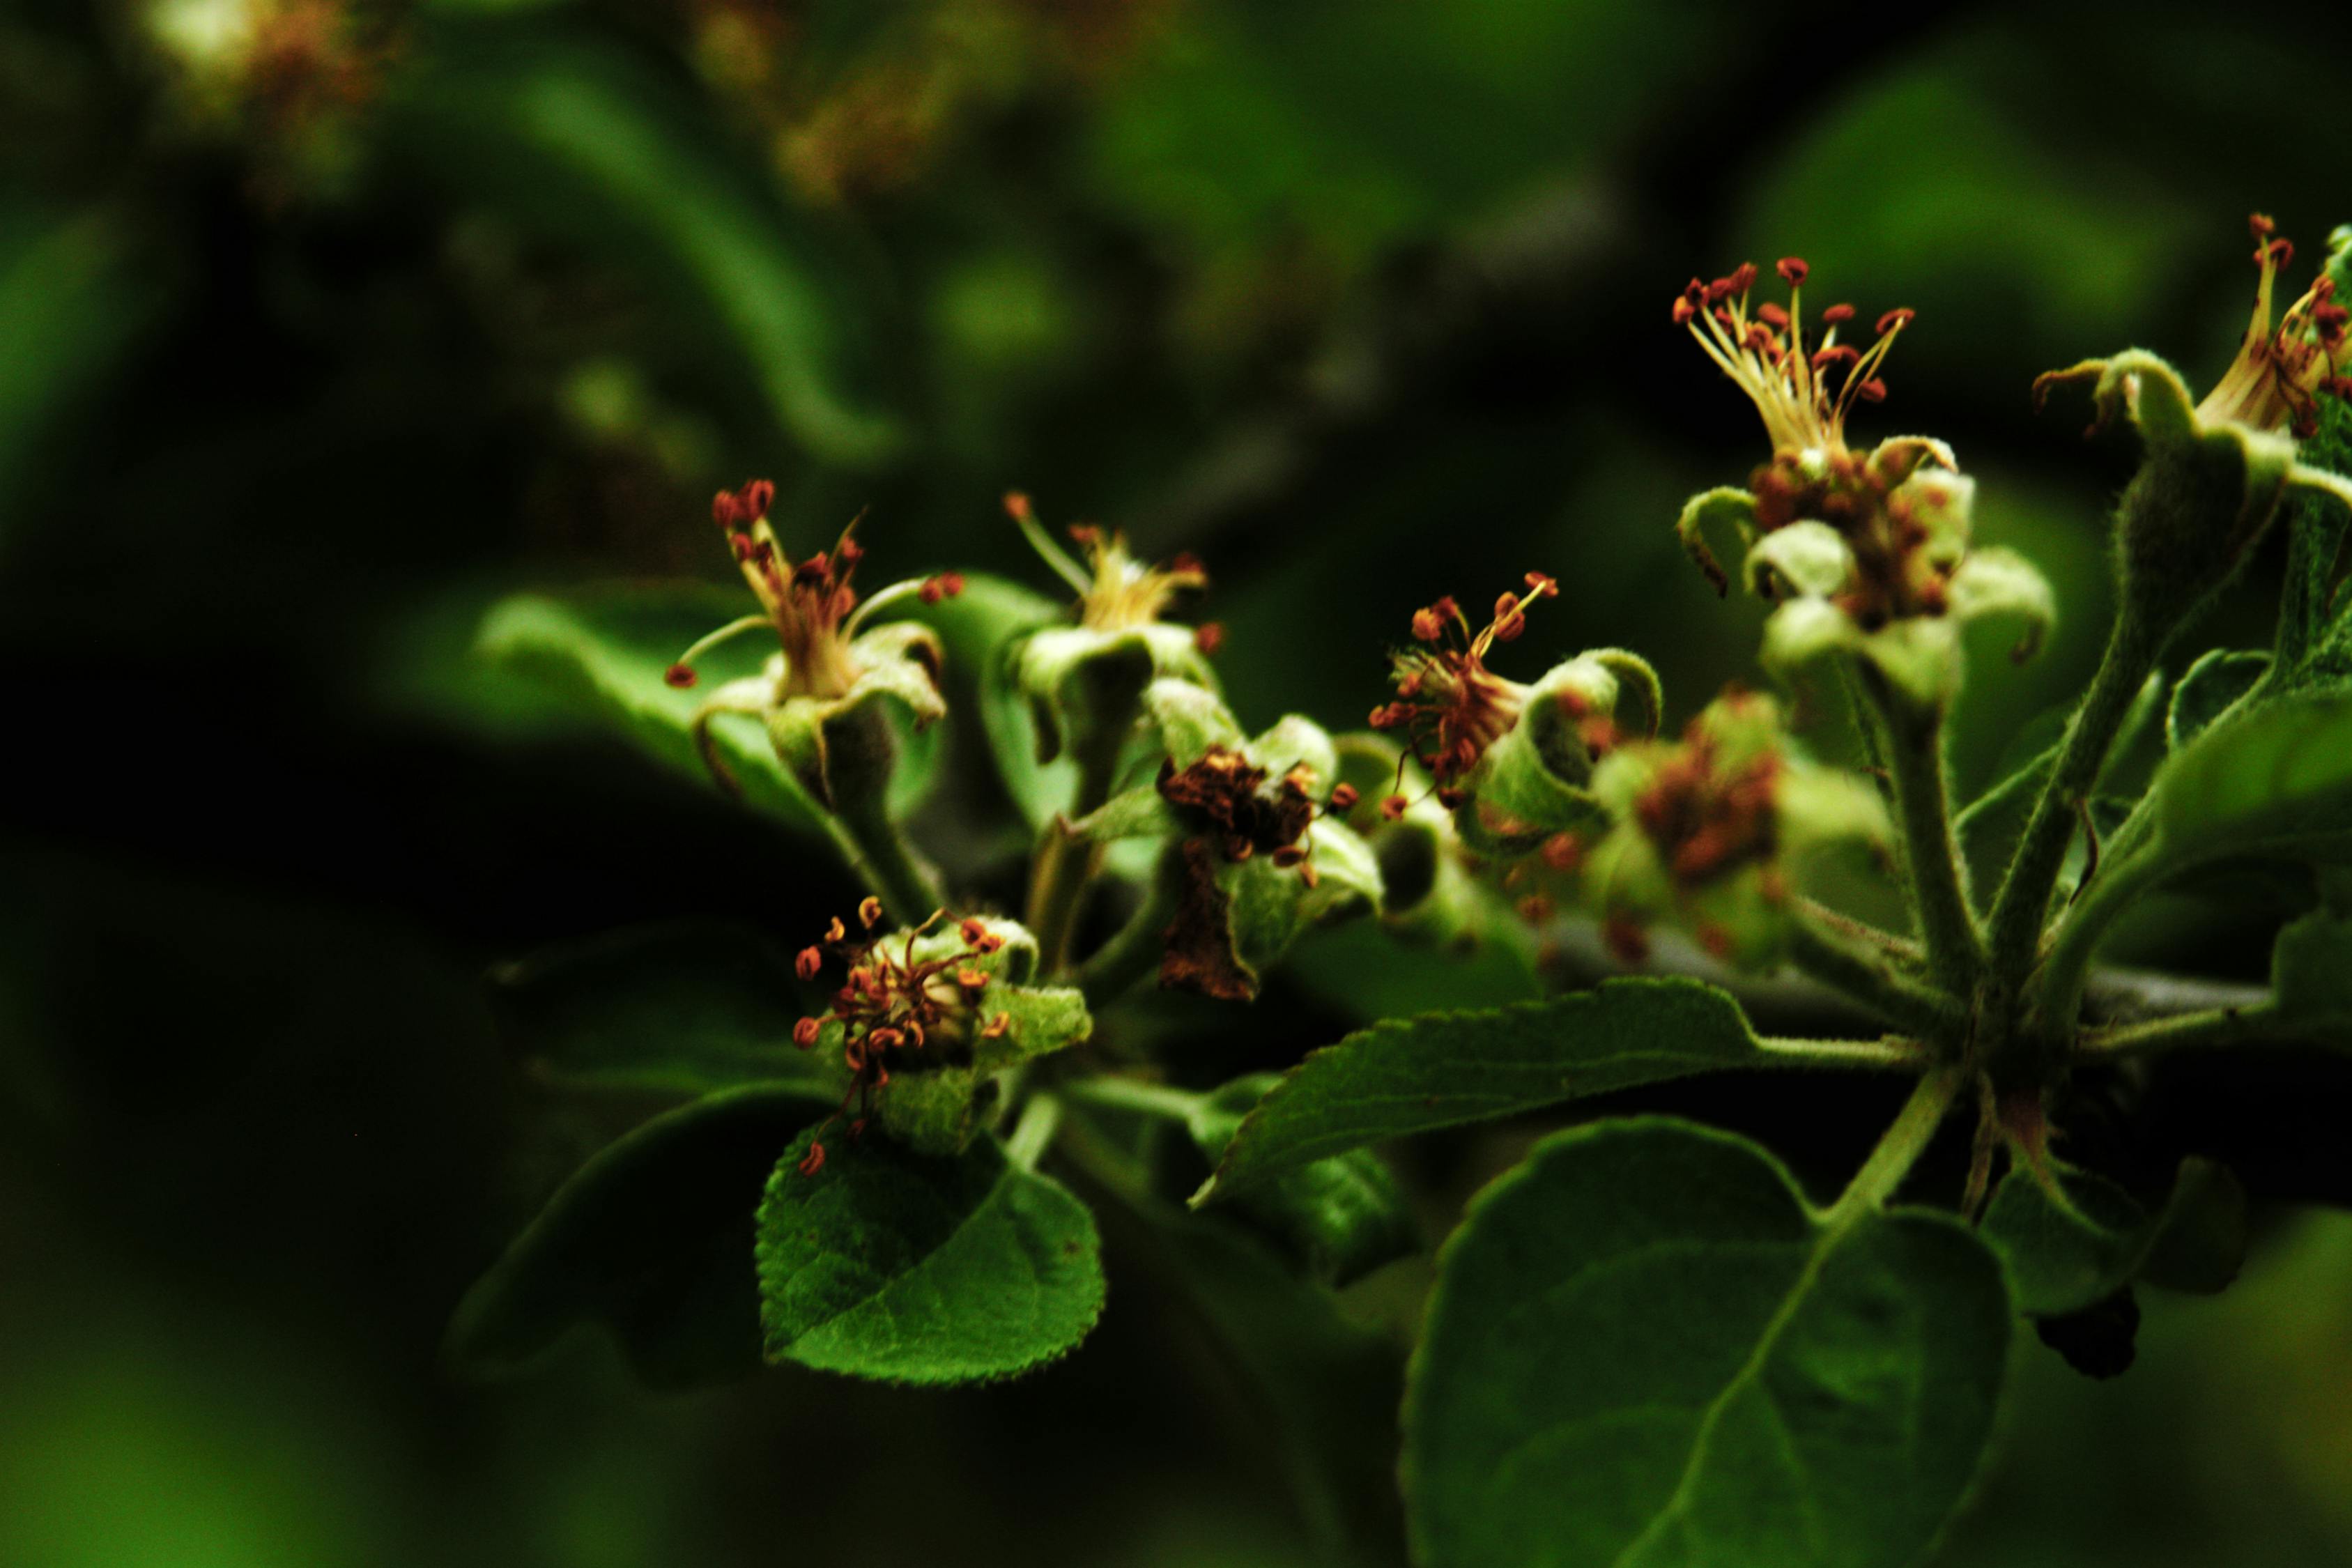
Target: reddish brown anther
1344	797
869	911
810	1164
1837	315
804	1032
1563	852
1792	269
1208	638
1901	316
1016	506
1451	707
1392	808
680	676
808	961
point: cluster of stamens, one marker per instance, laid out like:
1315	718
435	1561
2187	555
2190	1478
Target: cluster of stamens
812	606
1116	590
1764	350
2281	374
1450	707
1229	798
1707	818
891	1002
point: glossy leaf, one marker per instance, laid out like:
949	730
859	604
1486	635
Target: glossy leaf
2208	690
653	1238
1645	1349
682	1009
909	1267
1440	1070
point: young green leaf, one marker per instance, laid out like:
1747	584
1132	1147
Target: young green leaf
2201	1237
1341	1217
1645	1349
653	1238
1411	1075
682	1009
2067	1252
908	1268
2209	689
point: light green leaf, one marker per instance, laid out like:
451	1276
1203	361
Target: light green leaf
2068	1251
1341	1217
2273	780
907	1267
1644	1350
602	652
653	1238
2210	687
682	1009
1411	1075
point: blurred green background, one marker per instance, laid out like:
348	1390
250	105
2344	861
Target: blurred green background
322	323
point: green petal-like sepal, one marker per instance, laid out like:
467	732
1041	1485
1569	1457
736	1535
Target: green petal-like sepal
1532	783
841	748
1803	558
1084	685
1998	581
1192	718
1722	506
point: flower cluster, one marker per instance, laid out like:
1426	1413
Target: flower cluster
896	1000
2281	372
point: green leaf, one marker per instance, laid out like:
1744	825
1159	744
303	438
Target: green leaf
653	1238
682	1009
1645	1349
1341	1217
908	1268
1411	1075
604	652
2208	690
2272	781
2066	1251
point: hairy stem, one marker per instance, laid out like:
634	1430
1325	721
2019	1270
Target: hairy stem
1033	1133
1134	1094
1914	756
2024	902
2259	1024
1835	952
1906	1138
879	852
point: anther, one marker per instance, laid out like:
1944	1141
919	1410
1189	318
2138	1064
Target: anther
680	676
869	911
1792	268
1898	317
1343	798
807	963
804	1032
813	1162
1836	314
1208	638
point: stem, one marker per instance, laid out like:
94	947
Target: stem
1067	862
2024	902
1821	948
2217	1027
1906	1138
1134	1094
2067	964
1040	1119
878	850
1891	1053
1914	753
1134	951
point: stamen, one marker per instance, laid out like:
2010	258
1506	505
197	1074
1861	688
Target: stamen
681	674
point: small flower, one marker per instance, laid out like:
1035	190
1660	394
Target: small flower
2281	373
2213	473
1450	707
1865	553
827	666
1706	829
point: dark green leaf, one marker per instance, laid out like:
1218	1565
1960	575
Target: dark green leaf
909	1268
678	1009
2311	968
2208	690
1409	1075
1645	1349
653	1238
2065	1252
605	652
1341	1217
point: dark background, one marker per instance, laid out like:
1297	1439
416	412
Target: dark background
304	359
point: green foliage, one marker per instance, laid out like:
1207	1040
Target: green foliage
1645	1348
2070	1248
1341	1217
651	1238
911	1267
2209	688
2311	969
2275	782
1441	1070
